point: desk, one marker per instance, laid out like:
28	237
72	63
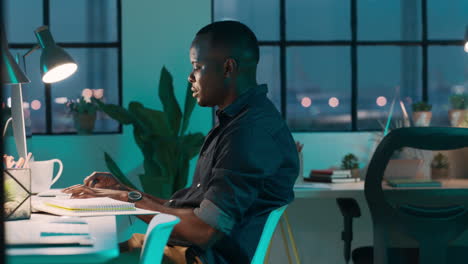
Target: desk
317	223
102	228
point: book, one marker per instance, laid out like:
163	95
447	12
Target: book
414	183
91	204
328	179
331	173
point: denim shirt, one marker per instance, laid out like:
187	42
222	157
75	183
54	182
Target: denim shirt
246	168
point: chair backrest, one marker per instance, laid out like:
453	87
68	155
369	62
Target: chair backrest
267	233
157	235
432	227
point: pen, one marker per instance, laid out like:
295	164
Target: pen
26	163
19	163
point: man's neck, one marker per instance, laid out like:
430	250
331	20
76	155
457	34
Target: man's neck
239	89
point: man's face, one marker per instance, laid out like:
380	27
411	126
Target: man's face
207	76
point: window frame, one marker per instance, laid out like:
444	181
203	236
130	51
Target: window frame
353	44
82	45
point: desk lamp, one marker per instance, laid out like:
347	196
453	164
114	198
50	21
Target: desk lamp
55	64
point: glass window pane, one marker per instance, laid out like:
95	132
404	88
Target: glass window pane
262	16
268	72
447	19
389	20
383	73
22	18
318	88
83	21
448	74
97	72
318	20
33	93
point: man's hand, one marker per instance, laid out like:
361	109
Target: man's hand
81	191
104	180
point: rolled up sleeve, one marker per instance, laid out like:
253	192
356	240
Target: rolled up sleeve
243	160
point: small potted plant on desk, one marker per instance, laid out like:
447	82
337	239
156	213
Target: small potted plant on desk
351	162
421	114
84	114
439	166
457	113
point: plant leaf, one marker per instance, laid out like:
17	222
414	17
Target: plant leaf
188	108
170	105
116	112
192	143
154	122
115	170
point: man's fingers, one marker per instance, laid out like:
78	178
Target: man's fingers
72	187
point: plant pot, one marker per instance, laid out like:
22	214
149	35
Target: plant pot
84	122
458	117
439	173
422	118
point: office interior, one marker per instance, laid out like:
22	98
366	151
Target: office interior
157	34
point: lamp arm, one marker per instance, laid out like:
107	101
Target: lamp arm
34	48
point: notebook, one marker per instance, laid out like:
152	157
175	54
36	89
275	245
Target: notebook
37	233
413	183
87	207
98	204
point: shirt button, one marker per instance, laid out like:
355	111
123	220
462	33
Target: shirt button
198	185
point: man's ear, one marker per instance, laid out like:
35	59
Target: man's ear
230	66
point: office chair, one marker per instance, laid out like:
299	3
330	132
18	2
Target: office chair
267	233
434	228
349	208
157	235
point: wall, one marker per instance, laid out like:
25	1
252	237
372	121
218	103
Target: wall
154	33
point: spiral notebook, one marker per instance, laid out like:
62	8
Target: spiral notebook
88	207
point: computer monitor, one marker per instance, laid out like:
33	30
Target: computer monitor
17	114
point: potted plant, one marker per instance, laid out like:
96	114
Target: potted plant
161	136
421	114
439	166
457	114
351	162
84	114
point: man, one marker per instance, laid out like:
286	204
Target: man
247	165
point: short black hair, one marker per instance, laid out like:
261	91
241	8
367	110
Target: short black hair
232	34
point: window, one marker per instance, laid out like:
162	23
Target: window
90	32
337	65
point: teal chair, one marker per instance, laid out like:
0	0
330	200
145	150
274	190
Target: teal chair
267	233
157	235
433	227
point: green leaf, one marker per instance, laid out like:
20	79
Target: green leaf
192	143
188	108
116	112
154	122
168	100
115	170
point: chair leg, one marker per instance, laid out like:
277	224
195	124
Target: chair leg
291	238
285	242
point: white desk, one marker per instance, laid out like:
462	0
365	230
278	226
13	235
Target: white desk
105	247
317	223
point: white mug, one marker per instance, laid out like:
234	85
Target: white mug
42	176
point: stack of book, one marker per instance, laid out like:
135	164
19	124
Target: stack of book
331	176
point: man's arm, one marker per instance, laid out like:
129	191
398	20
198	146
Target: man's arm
191	228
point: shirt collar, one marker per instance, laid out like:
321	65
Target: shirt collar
243	100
